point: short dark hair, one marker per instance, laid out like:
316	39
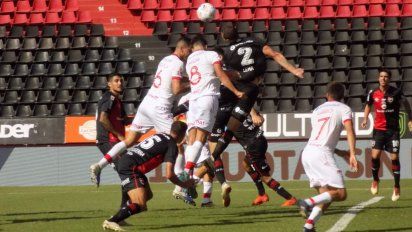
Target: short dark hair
229	32
179	128
183	39
198	39
111	76
385	70
336	90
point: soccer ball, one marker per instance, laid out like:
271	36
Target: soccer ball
206	12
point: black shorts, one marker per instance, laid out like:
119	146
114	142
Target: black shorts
256	155
244	105
131	178
222	118
388	140
104	148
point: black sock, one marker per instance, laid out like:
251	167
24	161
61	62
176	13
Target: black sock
273	184
222	144
376	164
258	182
396	170
125	212
125	198
219	171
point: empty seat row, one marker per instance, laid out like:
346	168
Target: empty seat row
46	31
67	17
26	6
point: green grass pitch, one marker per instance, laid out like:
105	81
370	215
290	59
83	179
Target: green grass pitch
83	208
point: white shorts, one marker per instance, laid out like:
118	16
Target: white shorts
204	154
150	115
202	112
321	169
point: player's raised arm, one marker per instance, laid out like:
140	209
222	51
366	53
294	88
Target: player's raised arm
280	59
220	73
353	163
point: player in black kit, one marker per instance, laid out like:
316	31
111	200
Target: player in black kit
141	159
246	56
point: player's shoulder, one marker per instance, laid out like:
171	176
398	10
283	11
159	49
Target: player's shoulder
107	96
394	90
173	58
372	91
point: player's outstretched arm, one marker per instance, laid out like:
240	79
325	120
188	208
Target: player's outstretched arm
104	120
170	174
353	163
281	59
220	73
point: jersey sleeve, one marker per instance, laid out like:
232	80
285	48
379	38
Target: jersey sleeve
171	153
214	57
369	98
259	42
106	103
346	114
177	71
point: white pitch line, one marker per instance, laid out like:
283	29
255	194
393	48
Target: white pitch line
344	221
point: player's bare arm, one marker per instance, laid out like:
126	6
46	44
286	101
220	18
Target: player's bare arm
170	175
280	59
365	116
220	73
353	163
257	119
179	86
104	119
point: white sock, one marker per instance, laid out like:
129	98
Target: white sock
313	217
207	189
179	164
116	149
192	154
322	198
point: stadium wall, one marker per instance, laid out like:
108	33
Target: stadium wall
68	165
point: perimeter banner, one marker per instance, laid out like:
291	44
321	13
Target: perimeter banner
31	131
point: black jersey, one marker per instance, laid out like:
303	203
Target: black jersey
151	152
386	106
113	107
247	132
246	56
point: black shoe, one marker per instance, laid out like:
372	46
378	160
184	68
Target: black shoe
309	230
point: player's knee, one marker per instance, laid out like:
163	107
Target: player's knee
239	114
342	195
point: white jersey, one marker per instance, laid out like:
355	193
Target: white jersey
203	80
327	124
169	68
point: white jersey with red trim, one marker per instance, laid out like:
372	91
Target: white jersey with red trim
203	80
327	124
169	68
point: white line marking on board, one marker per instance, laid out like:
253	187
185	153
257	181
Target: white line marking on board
344	221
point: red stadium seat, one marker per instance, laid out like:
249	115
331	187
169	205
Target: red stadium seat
164	16
376	1
39	6
329	2
218	15
52	17
376	10
392	10
407	10
247	3
166	5
84	16
230	4
312	2
261	14
263	3
327	12
5	19
216	3
134	5
193	15
7	7
23	6
359	11
310	12
245	14
180	15
150	4
361	2
294	12
296	3
20	18
56	6
183	4
280	3
343	11
68	17
36	18
197	3
229	14
277	13
393	1
345	2
72	5
148	16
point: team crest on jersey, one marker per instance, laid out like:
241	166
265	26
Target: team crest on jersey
390	99
112	97
376	99
232	47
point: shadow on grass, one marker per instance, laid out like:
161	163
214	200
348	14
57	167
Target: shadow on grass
18	221
50	212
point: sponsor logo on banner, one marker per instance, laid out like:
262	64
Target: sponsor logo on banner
31	131
88	130
80	129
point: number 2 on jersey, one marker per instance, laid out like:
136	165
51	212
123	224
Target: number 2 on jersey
324	120
246	52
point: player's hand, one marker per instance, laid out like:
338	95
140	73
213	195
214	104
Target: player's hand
189	183
353	163
298	72
258	120
410	125
365	123
240	94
